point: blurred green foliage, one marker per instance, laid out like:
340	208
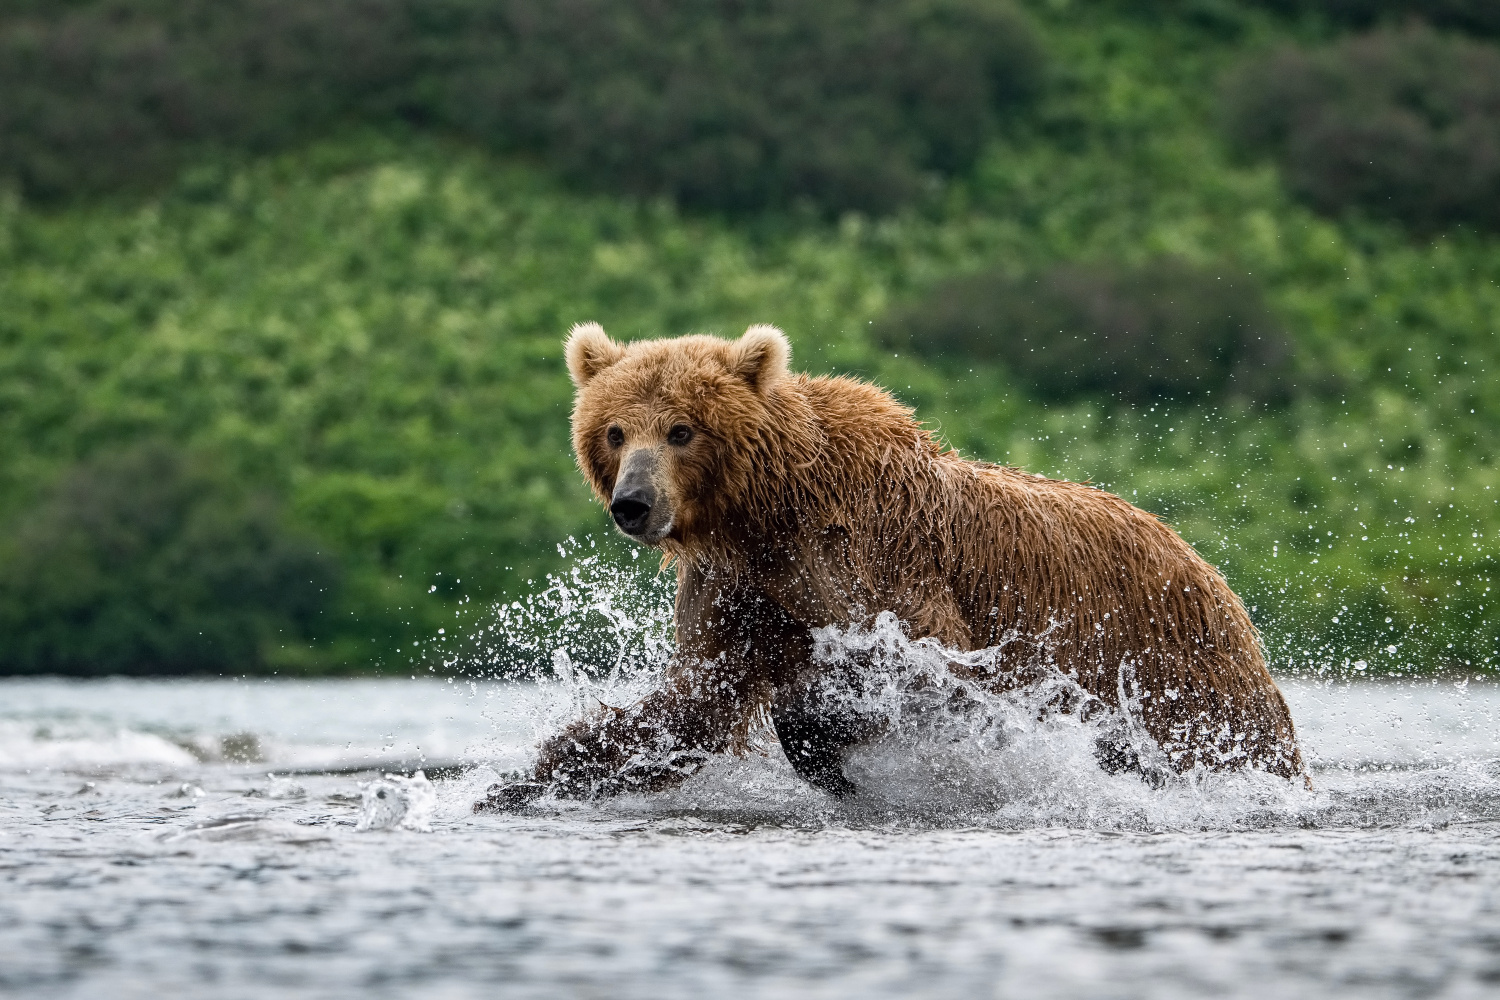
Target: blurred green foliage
1162	329
149	561
1481	17
369	327
737	106
105	94
1402	124
730	104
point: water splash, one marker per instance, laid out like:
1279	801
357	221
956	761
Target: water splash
953	750
396	802
957	750
605	621
598	633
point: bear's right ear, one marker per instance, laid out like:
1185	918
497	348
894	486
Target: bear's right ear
760	357
589	352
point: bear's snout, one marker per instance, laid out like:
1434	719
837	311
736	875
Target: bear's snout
635	497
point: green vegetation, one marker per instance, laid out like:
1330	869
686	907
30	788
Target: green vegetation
1479	16
1403	125
732	105
148	561
1164	329
364	333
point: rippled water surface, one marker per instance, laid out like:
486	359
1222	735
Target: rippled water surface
163	839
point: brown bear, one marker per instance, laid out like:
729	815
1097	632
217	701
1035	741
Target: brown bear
789	503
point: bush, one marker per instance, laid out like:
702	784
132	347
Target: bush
151	562
111	93
1403	124
1163	329
735	106
725	105
1481	17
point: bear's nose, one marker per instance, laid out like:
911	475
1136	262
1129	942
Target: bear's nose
631	509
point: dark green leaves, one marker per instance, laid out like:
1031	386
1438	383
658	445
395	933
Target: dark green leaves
725	105
1401	125
151	561
1164	329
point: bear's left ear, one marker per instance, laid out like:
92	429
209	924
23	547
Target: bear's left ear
589	352
760	357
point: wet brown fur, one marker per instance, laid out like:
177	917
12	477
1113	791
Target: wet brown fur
803	502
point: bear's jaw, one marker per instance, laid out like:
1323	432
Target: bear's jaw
653	536
660	534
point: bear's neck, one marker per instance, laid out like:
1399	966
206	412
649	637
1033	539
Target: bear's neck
837	455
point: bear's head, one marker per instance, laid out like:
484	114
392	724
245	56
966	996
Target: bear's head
674	435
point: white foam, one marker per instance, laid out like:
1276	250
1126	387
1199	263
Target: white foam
25	746
395	802
955	752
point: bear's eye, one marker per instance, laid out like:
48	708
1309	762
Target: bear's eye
614	436
680	434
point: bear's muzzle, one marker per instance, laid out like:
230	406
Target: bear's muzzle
635	503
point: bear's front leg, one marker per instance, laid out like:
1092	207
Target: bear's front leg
818	722
711	687
815	707
647	747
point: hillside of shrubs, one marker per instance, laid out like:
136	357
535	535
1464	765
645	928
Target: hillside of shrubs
730	105
1401	124
1477	16
280	374
1160	329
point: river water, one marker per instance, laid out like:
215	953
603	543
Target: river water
166	838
